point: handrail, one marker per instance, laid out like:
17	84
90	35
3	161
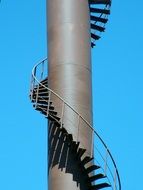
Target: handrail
80	116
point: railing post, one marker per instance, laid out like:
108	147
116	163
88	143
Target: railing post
33	77
62	114
92	143
115	176
35	69
106	160
36	92
37	95
49	98
78	130
31	87
42	70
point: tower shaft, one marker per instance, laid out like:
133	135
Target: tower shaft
70	73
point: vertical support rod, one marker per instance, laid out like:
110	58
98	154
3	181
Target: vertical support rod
115	175
106	160
42	70
34	75
33	82
33	79
62	113
37	92
78	128
92	143
37	95
31	87
48	101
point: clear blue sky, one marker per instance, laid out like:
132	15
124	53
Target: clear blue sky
117	93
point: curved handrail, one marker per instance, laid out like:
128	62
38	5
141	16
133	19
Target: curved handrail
34	78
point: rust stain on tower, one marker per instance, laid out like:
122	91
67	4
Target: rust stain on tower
61	91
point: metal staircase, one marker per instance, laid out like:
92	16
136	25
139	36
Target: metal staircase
103	174
99	11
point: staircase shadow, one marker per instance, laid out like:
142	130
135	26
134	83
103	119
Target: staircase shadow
62	154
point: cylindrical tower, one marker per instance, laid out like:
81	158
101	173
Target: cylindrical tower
70	70
69	53
61	91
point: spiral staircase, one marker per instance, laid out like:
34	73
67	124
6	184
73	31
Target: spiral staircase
104	173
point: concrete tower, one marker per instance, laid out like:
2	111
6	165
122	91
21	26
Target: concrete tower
65	97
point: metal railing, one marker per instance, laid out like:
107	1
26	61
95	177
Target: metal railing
103	156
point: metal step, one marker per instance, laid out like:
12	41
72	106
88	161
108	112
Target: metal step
96	177
43	97
53	117
43	109
102	11
70	137
74	146
41	93
41	90
96	27
51	112
104	2
41	85
92	168
98	19
43	101
64	131
44	106
92	44
80	152
95	37
39	108
99	186
45	81
86	160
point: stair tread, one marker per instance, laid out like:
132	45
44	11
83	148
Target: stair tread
86	160
52	112
97	10
100	186
96	177
70	137
44	81
39	108
44	106
80	152
96	27
43	93
98	19
75	145
94	36
63	130
105	2
92	168
43	90
92	44
44	102
54	117
40	99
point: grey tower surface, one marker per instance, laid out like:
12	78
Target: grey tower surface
61	90
70	70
